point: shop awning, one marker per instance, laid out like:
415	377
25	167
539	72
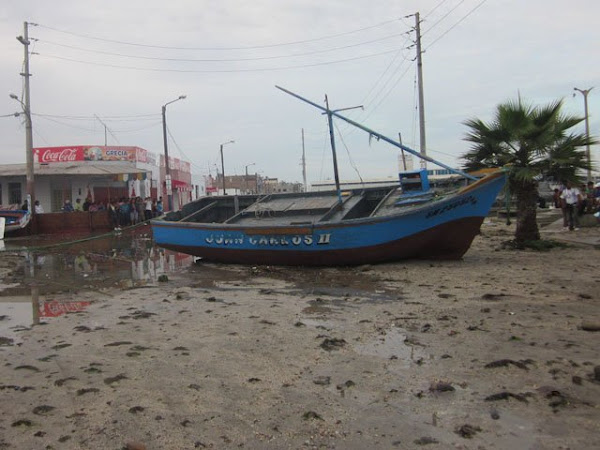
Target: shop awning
181	185
79	169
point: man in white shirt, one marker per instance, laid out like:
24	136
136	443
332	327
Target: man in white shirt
571	198
38	207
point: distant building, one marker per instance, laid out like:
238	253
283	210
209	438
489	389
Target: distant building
248	184
437	177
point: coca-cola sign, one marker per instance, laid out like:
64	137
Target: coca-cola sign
59	154
46	155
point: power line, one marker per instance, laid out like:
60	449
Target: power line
132	118
67	125
436	7
115	66
181	152
442	18
261	58
114	41
456	24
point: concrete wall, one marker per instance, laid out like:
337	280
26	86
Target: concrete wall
74	221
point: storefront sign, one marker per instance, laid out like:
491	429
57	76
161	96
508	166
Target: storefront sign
47	155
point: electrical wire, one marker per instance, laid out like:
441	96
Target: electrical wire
153	58
436	7
67	125
456	24
181	152
442	18
219	48
131	118
115	66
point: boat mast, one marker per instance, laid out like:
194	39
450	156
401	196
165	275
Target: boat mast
332	138
380	136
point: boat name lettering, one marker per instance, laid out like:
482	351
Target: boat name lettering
271	241
450	206
222	240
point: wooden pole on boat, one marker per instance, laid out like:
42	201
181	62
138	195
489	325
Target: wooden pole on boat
381	136
402	150
332	138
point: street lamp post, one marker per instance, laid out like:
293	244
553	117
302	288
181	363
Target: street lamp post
167	167
246	179
223	164
585	93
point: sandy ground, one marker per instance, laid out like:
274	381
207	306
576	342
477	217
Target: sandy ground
485	353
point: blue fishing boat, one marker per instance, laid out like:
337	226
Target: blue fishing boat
15	219
350	227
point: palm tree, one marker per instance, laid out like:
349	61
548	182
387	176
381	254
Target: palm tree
531	142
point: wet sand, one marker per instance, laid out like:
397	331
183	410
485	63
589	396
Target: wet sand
491	352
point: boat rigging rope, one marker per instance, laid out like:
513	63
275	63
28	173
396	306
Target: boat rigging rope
77	241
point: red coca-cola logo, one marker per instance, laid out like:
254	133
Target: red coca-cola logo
64	155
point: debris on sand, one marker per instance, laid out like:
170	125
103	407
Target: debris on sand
508	362
467	431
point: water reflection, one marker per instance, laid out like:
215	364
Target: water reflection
46	282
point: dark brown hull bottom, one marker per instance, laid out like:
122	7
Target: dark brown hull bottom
447	241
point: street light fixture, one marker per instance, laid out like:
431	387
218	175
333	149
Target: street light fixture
585	93
246	179
223	164
167	167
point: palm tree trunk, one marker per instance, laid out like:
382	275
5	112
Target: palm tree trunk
527	197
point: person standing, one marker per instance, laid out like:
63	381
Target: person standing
571	198
148	203
139	208
133	214
113	214
78	205
38	207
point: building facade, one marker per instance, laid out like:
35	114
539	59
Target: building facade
98	173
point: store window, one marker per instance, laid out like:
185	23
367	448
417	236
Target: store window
14	194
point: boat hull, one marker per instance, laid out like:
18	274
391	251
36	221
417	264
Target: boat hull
442	229
15	220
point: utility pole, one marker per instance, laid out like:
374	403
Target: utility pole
423	145
168	181
304	163
105	128
246	178
585	93
28	125
223	165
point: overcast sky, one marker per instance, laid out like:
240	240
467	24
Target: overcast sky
116	62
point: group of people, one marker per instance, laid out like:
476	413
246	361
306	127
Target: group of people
122	212
576	202
131	211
